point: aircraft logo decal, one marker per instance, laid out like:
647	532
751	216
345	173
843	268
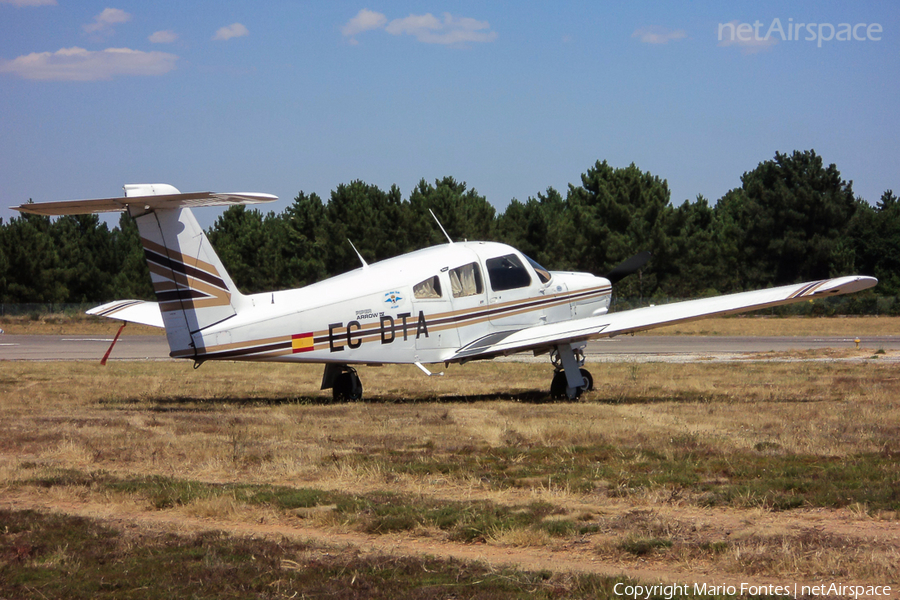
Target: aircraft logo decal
393	298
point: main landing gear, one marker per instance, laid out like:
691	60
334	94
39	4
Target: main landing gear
344	383
570	378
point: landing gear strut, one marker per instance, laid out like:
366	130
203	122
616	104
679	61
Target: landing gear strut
344	383
570	379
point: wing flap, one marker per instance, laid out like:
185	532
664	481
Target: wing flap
641	319
132	311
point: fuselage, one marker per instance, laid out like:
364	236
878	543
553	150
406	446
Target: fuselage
419	307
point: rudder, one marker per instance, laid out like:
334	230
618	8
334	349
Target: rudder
192	287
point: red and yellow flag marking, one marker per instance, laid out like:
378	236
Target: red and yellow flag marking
302	342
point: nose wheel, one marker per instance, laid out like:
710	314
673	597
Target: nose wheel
570	379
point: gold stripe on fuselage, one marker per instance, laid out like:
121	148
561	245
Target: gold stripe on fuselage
373	331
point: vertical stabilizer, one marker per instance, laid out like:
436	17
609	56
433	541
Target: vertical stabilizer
191	284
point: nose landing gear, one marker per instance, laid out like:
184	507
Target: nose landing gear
570	379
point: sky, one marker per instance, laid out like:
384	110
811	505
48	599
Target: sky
509	97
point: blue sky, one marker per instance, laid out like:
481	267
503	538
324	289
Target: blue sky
511	97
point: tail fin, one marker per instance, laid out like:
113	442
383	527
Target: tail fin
193	289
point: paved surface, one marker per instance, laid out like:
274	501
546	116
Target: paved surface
646	348
81	347
75	347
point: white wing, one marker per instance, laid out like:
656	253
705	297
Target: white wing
174	200
133	311
629	321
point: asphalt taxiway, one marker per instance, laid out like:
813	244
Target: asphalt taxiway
642	347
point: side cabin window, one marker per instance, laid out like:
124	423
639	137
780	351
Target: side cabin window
430	288
507	273
542	273
466	281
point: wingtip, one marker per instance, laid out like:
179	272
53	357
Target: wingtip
847	285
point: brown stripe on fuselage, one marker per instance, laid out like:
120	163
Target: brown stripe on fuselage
372	331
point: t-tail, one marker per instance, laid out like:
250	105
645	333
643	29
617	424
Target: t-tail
192	288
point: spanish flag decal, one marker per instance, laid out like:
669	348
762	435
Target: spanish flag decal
302	342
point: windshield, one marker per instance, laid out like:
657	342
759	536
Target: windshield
542	273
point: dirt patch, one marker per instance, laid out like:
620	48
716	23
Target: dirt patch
809	530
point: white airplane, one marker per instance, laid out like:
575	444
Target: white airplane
451	303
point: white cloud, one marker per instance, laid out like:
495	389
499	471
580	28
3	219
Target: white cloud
658	35
163	37
748	42
106	20
452	30
21	3
425	28
78	64
364	21
232	31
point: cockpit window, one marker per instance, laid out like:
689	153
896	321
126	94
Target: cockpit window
466	280
542	273
430	288
507	273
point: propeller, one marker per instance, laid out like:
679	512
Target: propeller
628	266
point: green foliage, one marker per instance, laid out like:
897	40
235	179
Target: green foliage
793	219
642	546
33	262
133	277
87	261
791	216
875	235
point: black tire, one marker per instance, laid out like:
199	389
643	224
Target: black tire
559	385
347	387
590	380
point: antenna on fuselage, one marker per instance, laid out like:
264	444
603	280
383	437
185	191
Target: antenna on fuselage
365	265
439	225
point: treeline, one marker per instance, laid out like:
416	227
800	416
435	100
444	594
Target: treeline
792	219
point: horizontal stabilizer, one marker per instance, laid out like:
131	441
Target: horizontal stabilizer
145	202
132	311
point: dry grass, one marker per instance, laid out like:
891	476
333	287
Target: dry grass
259	424
786	326
270	421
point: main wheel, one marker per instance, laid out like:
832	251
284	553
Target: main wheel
558	385
589	379
347	387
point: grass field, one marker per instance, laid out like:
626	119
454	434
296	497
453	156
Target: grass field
247	475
